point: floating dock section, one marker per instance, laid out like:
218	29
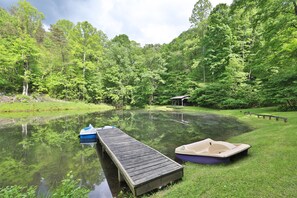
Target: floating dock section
140	166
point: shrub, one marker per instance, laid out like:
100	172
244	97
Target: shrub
17	192
22	98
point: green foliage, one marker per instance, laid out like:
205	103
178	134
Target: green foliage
200	12
70	188
218	41
122	69
18	192
22	98
28	17
248	49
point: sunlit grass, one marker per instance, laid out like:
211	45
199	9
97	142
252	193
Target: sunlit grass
158	108
29	112
269	170
48	106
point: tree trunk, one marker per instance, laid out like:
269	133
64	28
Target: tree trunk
84	65
26	79
203	52
84	73
151	98
295	7
25	87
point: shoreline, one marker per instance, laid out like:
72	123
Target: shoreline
265	172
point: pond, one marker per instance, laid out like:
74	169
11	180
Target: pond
41	154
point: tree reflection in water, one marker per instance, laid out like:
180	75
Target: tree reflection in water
42	154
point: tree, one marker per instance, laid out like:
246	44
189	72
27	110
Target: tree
29	18
218	42
29	23
200	12
86	44
60	34
199	20
179	61
19	46
55	62
149	75
28	53
275	51
8	33
121	66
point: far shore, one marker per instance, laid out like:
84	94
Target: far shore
34	111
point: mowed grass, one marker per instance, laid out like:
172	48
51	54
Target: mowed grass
270	169
19	109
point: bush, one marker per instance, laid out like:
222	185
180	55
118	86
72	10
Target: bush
223	96
17	192
231	103
287	108
22	98
210	96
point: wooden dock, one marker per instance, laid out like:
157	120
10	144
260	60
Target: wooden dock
140	166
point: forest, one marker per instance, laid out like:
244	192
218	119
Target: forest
237	56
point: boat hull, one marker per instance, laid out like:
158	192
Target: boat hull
88	136
209	159
202	159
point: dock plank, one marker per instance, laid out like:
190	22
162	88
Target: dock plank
139	162
135	168
151	170
142	167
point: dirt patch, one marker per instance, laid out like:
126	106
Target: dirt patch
22	98
6	99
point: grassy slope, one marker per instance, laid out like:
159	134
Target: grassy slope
47	106
28	112
270	169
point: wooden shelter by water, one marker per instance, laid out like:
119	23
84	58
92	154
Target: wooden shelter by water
180	100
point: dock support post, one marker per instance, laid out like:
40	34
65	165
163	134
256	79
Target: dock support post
103	151
120	177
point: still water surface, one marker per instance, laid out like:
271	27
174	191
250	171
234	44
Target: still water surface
41	154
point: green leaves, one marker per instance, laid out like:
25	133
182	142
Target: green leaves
29	18
201	10
218	43
70	188
18	191
248	50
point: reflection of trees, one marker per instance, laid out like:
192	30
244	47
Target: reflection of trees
46	153
14	156
87	167
25	130
166	130
32	154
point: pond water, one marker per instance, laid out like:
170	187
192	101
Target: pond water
41	154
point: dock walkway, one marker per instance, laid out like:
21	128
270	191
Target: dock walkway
142	167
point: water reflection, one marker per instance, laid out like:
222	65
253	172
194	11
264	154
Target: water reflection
101	190
43	154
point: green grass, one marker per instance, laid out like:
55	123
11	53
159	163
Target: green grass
47	106
28	112
270	169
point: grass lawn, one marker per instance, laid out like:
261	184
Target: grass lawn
270	169
48	106
28	112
